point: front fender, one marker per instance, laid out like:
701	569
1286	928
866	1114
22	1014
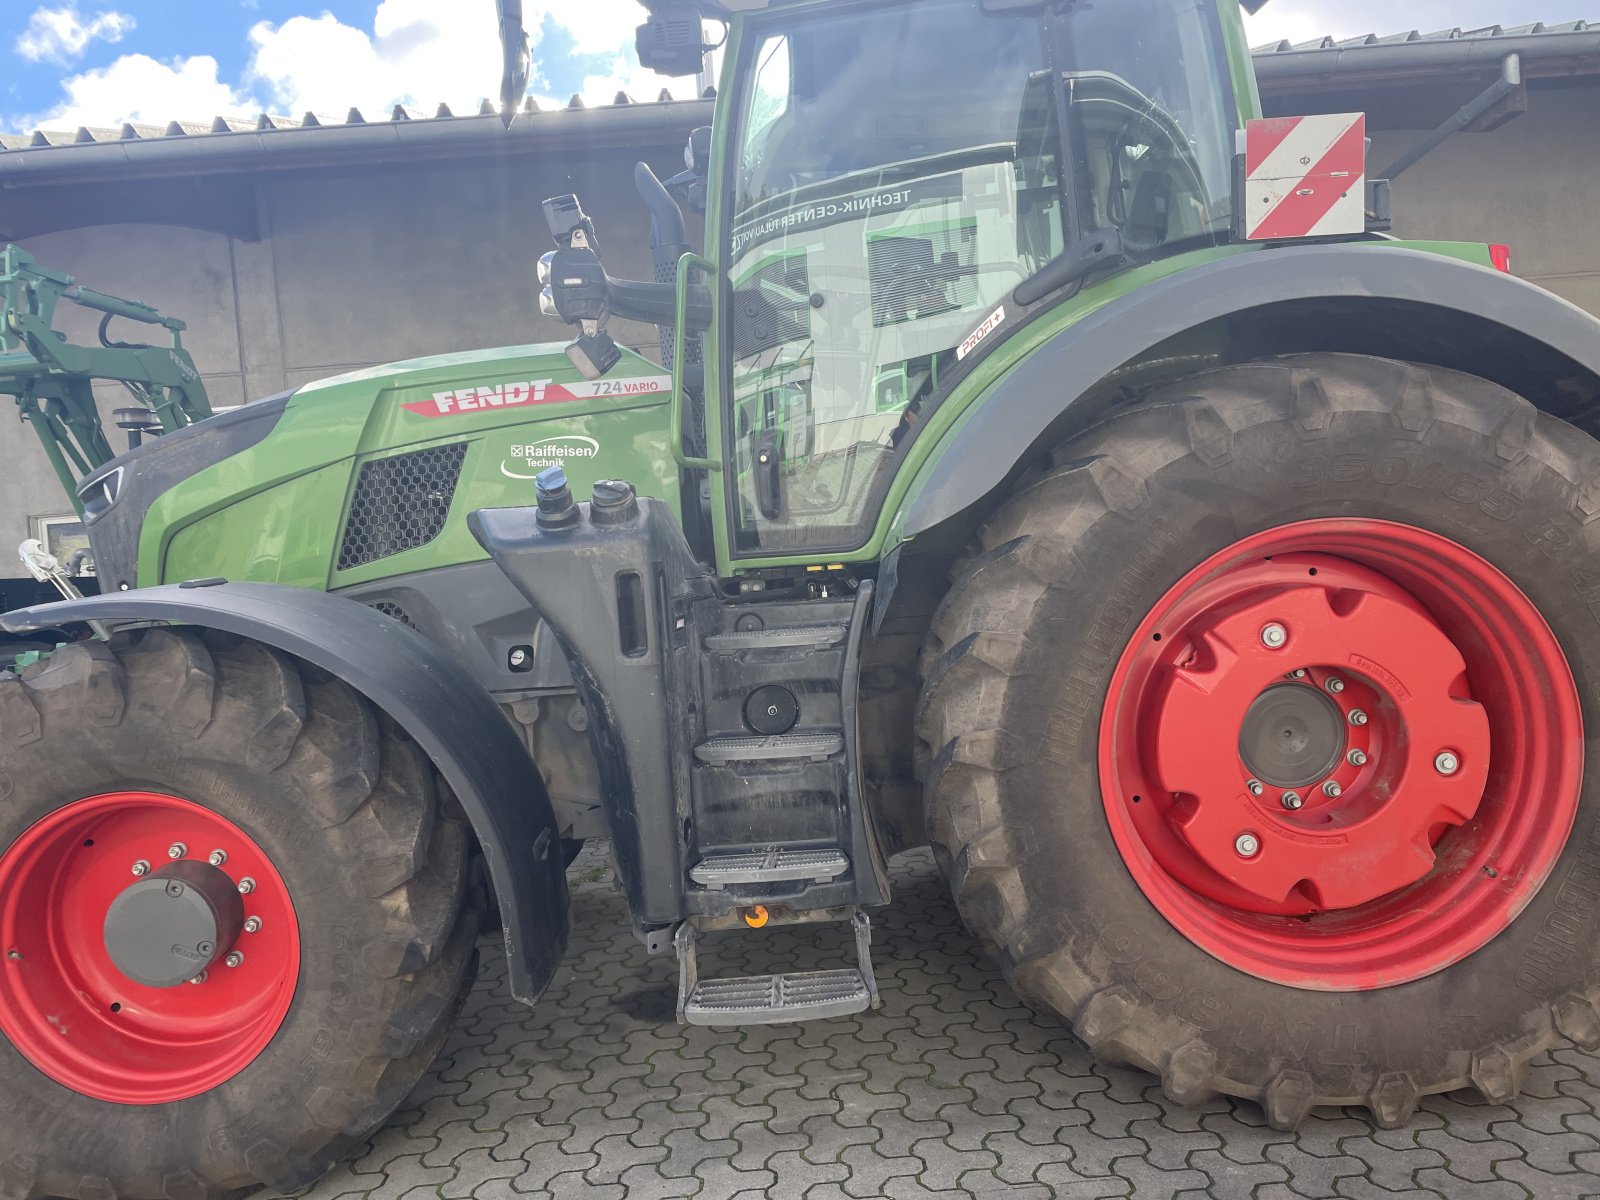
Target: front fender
444	709
1008	423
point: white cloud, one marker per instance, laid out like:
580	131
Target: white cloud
1279	22
417	53
60	35
597	26
138	88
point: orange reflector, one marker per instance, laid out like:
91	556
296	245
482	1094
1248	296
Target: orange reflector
1500	256
757	917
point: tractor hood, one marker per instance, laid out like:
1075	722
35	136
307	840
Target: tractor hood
117	496
273	490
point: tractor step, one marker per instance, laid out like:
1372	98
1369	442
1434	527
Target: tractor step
717	871
777	999
807	637
815	746
774	999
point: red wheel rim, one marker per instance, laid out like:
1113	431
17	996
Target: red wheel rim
1342	754
63	1002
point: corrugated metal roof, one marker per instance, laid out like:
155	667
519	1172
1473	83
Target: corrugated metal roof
1416	35
220	128
267	123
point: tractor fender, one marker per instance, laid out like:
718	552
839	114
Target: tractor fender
432	697
1458	308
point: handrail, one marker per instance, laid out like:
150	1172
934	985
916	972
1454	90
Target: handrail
686	264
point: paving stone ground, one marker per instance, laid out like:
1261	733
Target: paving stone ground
952	1089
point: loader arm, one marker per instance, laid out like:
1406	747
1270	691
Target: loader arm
52	379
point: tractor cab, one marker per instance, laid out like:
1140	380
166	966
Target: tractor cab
893	176
888	182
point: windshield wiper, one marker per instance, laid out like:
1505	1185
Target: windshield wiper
1098	251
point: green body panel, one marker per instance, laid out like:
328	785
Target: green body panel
1246	95
275	512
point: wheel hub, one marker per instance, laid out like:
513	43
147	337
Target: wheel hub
1226	713
168	927
1291	736
95	943
1311	744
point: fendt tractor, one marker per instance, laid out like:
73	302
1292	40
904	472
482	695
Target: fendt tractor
1049	461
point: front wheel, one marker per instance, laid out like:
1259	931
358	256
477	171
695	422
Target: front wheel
1256	736
231	920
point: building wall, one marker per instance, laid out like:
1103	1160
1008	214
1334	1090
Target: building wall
353	269
1531	184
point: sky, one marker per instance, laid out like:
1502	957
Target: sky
65	63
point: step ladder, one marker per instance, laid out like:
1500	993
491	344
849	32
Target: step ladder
774	999
769	866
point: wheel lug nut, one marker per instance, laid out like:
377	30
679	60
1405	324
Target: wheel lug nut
1357	758
246	886
198	979
1274	636
1298	673
234	959
1254	787
1332	790
1292	801
1357	717
1336	686
218	857
1247	844
177	850
1446	763
141	868
253	925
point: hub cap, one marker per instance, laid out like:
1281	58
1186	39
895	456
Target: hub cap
1275	742
116	979
1291	736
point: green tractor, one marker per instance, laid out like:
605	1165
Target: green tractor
1051	462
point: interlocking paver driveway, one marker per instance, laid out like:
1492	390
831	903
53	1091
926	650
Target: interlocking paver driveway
953	1088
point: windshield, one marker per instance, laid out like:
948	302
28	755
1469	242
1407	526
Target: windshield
898	173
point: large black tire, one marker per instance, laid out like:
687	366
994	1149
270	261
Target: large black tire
345	807
1021	659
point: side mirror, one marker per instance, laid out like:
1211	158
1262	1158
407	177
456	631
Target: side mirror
697	154
693	182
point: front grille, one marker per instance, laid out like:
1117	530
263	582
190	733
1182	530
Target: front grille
400	503
390	609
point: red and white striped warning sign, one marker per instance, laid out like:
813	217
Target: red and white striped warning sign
1305	176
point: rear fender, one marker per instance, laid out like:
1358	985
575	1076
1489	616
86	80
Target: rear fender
444	709
1364	299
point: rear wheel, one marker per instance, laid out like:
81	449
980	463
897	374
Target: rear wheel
1255	736
231	919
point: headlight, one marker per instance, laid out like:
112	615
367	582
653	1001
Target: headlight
546	263
547	304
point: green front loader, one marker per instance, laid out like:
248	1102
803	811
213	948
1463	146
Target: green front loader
1045	459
